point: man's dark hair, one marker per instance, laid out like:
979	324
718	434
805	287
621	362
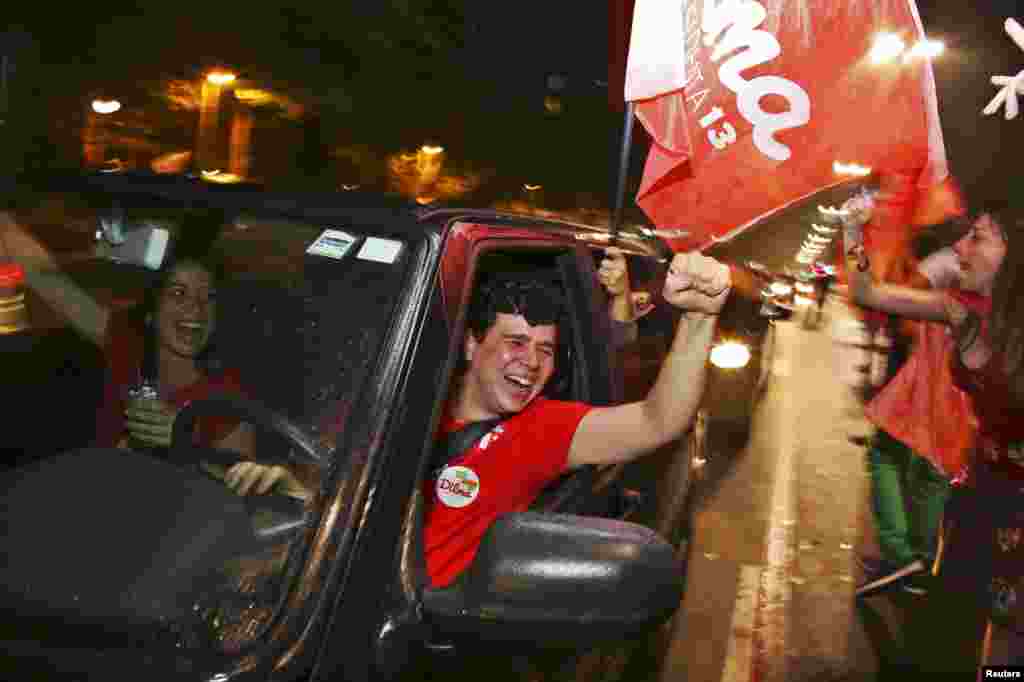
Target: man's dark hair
540	302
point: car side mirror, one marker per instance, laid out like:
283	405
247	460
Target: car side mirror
561	579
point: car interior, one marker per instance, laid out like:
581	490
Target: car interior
263	317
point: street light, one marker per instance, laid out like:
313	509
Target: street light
831	212
854	169
887	47
208	153
95	136
928	49
105	106
220	77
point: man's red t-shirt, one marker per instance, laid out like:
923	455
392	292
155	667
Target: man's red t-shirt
123	350
504	472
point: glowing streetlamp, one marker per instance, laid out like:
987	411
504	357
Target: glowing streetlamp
853	169
428	167
220	77
208	153
927	49
94	137
831	212
730	355
105	106
887	47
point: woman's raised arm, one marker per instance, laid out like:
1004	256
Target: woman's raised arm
43	276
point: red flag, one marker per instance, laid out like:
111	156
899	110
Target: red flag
777	92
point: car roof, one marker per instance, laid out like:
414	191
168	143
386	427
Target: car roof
389	213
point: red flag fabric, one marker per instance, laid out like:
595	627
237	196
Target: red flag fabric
777	92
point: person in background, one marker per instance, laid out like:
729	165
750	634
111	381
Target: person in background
908	493
625	306
988	329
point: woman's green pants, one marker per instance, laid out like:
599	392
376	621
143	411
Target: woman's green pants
907	496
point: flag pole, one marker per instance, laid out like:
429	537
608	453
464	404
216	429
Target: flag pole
620	189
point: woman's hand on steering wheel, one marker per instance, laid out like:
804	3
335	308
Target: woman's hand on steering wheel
247	478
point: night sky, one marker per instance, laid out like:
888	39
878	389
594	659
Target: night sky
396	72
982	151
470	76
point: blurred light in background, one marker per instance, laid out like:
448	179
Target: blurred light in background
254	96
929	49
105	106
831	212
730	355
853	169
220	77
220	177
887	47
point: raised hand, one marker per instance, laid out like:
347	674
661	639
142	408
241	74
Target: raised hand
697	283
613	273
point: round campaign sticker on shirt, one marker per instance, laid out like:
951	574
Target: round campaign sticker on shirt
457	486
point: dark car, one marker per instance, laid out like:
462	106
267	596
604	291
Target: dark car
344	313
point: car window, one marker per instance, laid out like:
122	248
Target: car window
302	314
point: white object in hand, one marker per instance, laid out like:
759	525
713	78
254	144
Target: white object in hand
1010	86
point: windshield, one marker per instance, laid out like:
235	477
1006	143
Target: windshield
290	314
317	298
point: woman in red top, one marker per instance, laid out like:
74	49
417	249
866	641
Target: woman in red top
989	329
167	339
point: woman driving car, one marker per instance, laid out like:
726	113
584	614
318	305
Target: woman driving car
167	340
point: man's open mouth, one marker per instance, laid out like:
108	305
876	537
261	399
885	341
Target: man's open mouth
519	384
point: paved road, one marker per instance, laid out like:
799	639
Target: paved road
777	524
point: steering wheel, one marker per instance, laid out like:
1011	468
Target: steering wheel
303	448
